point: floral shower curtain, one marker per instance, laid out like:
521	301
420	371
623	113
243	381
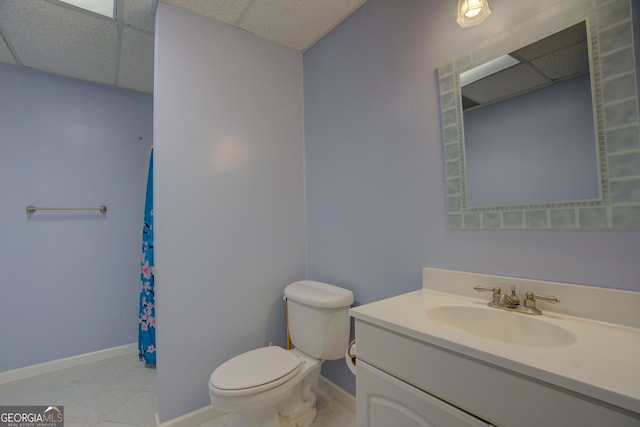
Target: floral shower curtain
147	320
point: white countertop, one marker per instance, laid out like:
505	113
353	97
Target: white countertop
602	363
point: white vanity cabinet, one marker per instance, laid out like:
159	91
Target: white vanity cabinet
384	401
403	381
481	366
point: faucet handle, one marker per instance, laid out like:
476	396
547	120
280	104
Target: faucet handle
531	296
495	290
530	302
497	294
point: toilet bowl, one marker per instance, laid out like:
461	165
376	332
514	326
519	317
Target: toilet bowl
274	387
269	386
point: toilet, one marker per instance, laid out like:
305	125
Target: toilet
274	387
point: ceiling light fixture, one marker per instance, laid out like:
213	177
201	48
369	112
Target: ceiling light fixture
472	12
101	7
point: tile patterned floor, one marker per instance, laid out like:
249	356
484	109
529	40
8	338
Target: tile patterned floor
121	392
331	413
107	393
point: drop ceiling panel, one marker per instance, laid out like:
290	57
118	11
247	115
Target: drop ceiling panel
136	60
5	53
227	11
558	57
54	37
504	84
140	14
568	37
568	62
60	40
296	23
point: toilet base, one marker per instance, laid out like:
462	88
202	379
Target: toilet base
304	420
298	410
291	404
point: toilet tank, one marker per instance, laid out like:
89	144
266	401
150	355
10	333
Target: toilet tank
318	317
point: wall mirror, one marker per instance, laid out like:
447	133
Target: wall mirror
540	124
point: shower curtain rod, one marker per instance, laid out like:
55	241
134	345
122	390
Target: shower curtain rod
101	208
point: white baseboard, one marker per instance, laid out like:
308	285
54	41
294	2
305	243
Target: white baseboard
207	413
67	362
338	393
191	419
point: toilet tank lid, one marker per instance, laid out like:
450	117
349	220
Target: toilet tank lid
318	294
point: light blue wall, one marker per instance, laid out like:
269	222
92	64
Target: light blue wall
376	209
535	148
69	281
229	198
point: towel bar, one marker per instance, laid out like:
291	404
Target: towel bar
101	208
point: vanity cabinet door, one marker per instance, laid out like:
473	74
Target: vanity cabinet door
382	401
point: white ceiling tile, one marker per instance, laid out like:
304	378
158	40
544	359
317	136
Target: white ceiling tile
572	60
139	14
227	11
516	79
136	60
5	53
61	40
296	23
53	37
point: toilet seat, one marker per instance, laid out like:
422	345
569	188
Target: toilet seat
254	371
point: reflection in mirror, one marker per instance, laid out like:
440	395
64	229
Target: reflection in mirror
587	158
528	124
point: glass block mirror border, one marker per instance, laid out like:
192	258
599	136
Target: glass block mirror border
615	97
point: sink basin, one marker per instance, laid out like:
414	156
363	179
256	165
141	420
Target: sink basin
502	325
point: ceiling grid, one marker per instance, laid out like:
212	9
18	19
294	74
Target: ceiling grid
55	37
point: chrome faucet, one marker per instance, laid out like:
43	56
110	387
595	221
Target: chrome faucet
500	300
512	302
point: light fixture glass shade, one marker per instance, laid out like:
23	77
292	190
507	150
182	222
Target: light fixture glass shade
472	12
